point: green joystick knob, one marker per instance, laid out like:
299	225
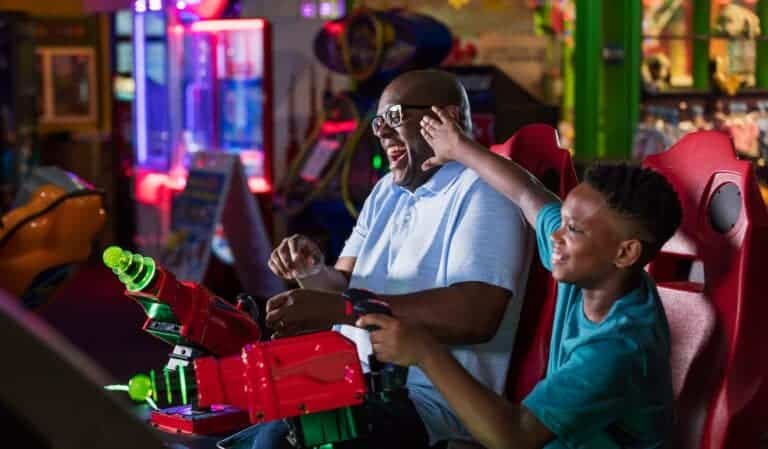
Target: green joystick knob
140	387
134	270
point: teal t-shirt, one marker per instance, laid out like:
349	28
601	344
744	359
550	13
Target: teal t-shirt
608	384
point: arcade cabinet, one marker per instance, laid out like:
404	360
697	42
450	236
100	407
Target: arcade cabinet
202	83
18	102
500	106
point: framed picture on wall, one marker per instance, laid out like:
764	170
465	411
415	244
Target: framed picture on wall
68	85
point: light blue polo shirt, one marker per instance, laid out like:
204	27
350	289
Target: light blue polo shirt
454	228
608	384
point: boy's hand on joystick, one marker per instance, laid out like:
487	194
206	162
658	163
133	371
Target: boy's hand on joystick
396	342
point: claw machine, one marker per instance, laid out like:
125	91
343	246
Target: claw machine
203	82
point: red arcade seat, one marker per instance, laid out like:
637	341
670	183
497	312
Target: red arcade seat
723	400
536	148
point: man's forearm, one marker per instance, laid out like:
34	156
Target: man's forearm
327	278
506	176
467	313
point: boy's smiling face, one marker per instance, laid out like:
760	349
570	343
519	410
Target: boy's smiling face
586	247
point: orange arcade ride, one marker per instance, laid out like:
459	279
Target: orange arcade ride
52	229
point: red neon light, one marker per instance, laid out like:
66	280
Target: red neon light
207	26
339	127
334	28
206	9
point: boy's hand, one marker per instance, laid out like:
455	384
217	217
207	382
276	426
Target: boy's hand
397	342
443	134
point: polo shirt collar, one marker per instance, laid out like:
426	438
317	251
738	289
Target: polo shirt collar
444	177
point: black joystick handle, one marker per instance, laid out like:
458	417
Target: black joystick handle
385	377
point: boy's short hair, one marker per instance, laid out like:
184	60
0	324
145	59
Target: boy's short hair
642	195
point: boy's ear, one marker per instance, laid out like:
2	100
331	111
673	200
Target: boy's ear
630	251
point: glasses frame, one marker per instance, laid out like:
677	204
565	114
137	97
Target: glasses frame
395	107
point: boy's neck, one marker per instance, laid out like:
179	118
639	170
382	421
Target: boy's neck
598	301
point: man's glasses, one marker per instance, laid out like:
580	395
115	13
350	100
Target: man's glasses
393	116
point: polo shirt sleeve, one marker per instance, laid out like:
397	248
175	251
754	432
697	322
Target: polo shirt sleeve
547	221
360	231
491	241
585	394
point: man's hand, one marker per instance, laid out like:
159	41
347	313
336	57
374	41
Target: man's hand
443	134
397	342
300	310
296	257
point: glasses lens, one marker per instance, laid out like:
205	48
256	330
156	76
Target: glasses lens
394	117
377	123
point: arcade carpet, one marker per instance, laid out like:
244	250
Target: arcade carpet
90	310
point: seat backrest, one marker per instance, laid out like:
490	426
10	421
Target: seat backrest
722	400
691	320
536	148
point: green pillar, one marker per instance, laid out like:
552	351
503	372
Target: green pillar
586	63
762	46
621	78
701	28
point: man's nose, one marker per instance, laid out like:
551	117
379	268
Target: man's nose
384	131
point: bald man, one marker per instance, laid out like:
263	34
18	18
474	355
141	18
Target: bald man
445	250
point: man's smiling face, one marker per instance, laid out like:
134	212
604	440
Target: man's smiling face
405	147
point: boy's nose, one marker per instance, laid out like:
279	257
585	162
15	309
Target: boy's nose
557	236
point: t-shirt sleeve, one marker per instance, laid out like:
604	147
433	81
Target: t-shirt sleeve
547	222
491	241
586	394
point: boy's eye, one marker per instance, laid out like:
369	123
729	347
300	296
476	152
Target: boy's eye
572	228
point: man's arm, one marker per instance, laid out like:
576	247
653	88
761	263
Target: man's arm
464	313
449	142
334	278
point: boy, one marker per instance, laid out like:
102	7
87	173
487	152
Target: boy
608	382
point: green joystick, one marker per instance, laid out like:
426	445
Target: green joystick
134	270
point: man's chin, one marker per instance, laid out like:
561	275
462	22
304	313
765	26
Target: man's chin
399	177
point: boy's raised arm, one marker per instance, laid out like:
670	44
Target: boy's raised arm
449	142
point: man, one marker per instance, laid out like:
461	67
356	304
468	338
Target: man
428	242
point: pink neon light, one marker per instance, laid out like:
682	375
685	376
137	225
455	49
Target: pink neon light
207	26
150	186
339	127
259	185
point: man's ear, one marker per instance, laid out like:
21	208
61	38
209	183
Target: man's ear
629	252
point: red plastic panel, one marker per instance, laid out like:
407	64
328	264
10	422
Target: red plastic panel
536	148
285	377
730	378
206	320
